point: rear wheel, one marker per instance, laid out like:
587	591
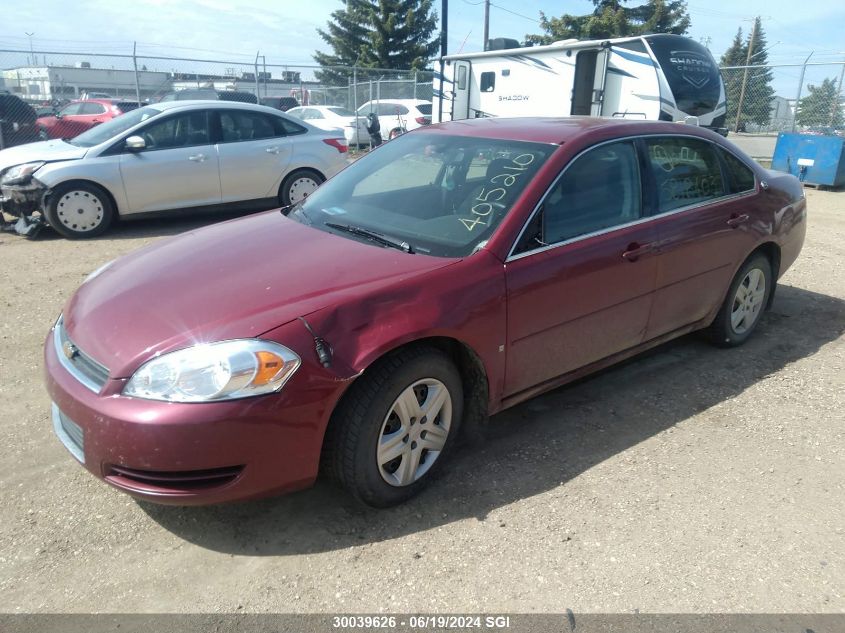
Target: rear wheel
79	210
298	186
744	304
396	425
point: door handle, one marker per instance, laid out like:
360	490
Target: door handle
736	220
635	251
197	158
272	150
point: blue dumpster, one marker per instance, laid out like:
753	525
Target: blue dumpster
817	160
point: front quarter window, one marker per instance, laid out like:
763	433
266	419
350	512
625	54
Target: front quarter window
443	195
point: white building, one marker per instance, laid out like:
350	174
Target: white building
42	83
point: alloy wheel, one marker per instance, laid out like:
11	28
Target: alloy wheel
748	301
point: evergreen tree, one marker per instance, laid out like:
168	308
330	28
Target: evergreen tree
823	106
378	34
610	19
757	103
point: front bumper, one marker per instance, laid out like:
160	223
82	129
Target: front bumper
193	453
22	200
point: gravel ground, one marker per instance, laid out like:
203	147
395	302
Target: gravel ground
689	479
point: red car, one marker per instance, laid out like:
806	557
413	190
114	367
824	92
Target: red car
80	116
456	271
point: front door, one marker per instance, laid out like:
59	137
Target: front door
582	276
178	168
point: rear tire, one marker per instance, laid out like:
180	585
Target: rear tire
80	210
395	426
744	303
299	185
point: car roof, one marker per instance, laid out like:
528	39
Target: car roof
559	130
212	104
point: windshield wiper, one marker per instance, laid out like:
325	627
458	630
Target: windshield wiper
372	235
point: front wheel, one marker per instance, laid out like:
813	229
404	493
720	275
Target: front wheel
396	425
79	210
744	304
298	186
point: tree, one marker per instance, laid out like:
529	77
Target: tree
823	106
378	34
757	102
610	19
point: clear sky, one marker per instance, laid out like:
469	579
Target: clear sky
285	30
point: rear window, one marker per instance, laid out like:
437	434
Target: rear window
425	108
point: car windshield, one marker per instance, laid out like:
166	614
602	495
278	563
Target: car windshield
116	126
341	111
441	195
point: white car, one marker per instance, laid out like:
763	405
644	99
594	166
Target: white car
334	118
398	115
165	157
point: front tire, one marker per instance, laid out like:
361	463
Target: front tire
80	210
396	425
744	304
299	185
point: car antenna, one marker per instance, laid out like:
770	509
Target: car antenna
324	350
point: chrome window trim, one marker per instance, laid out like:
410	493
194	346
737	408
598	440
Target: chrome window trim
69	366
513	257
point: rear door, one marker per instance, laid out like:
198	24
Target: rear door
704	204
582	276
254	151
178	168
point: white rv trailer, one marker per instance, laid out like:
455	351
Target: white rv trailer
658	77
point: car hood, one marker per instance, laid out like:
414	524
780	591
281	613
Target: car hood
44	150
236	279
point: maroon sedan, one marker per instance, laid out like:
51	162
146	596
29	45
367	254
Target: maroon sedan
456	271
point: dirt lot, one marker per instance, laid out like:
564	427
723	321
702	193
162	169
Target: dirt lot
690	479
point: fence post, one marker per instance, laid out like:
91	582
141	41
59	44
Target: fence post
257	94
745	76
415	84
135	64
836	104
800	86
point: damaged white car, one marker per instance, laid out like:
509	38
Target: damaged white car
166	157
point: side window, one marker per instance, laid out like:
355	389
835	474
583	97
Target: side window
70	109
488	81
599	190
91	108
183	130
740	177
287	127
315	114
686	171
462	77
237	125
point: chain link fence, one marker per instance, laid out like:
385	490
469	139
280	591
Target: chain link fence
796	97
37	84
761	99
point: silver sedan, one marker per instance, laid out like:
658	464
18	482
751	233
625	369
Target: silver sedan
168	157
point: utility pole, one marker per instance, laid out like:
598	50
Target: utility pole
444	35
486	23
745	74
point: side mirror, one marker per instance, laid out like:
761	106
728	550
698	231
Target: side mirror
135	143
59	116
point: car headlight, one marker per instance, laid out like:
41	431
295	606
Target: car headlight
215	371
20	174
